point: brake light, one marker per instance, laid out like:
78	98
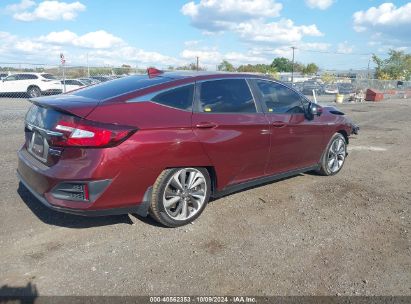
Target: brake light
83	133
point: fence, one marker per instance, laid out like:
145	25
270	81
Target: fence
76	76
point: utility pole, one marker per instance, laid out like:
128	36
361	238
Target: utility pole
292	71
197	58
88	67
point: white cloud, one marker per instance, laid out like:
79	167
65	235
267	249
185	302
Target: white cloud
247	18
317	46
21	6
46	49
320	4
191	43
281	32
209	56
216	15
94	40
46	10
385	15
345	48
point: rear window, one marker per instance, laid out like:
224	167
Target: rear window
120	86
48	76
26	76
180	98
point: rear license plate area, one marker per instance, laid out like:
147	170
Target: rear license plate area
38	146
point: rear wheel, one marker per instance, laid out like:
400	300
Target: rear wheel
180	196
334	156
33	92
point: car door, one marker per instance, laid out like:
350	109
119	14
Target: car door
9	84
27	80
232	128
296	141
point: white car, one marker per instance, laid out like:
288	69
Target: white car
73	84
331	89
32	84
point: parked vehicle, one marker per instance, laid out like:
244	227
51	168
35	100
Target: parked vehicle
150	145
308	88
32	84
101	78
73	84
345	88
3	75
331	89
89	81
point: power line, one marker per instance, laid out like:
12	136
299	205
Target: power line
338	53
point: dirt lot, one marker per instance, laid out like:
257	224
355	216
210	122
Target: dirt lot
307	235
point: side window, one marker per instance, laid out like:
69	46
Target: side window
180	98
10	78
226	96
26	76
279	99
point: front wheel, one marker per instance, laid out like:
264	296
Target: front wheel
180	196
334	155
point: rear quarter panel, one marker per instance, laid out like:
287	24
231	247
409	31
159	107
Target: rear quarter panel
164	138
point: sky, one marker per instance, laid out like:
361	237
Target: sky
334	34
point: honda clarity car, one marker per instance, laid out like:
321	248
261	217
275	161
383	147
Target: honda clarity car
163	144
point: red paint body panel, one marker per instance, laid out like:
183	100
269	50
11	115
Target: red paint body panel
238	147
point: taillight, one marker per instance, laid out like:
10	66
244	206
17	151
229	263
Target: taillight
83	133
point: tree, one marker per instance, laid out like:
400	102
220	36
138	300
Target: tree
282	64
310	69
396	66
191	67
328	78
226	66
258	68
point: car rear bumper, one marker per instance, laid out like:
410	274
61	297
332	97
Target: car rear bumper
139	209
111	199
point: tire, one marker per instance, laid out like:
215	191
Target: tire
333	158
180	195
33	92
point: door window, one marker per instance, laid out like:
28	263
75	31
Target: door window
226	96
180	98
10	78
279	99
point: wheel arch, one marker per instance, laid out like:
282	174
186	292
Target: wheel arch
345	134
33	86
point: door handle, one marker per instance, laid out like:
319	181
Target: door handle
278	124
206	125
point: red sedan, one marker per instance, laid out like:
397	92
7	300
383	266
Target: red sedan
164	143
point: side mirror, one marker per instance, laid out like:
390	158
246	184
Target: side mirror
314	110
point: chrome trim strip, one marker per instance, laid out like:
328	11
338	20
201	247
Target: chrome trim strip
48	132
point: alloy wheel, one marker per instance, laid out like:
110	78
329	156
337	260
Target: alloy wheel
336	155
185	194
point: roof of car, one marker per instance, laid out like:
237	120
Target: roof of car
205	74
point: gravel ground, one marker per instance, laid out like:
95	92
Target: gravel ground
307	235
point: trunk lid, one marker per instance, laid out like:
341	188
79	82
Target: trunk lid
71	104
42	117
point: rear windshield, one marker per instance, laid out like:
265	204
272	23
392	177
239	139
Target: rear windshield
120	86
